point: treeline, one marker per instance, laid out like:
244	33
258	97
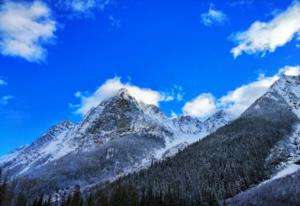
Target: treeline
128	196
10	197
120	196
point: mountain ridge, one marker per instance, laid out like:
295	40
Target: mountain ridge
123	137
115	138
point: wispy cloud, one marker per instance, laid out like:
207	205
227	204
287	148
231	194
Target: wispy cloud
3	82
263	37
235	3
25	28
213	17
83	6
115	23
5	99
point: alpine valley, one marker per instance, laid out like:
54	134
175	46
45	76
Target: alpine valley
125	152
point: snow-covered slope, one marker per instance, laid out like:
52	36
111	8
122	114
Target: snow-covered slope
189	130
286	155
285	93
288	87
284	159
50	146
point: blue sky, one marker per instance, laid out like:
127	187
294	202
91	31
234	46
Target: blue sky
180	52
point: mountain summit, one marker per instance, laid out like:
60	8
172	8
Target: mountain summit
283	95
118	116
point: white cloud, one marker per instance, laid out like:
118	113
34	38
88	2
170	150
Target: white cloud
213	16
235	3
201	106
111	87
25	28
291	70
264	37
238	100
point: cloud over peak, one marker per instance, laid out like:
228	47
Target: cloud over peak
111	87
263	37
291	70
25	28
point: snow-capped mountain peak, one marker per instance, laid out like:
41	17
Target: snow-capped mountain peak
118	136
283	95
117	116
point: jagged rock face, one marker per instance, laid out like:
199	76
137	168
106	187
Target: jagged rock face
188	124
288	87
217	120
192	125
118	116
112	117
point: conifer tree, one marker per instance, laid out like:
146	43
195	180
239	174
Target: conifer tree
90	200
21	200
77	199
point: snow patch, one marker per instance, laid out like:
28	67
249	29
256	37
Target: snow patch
292	168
